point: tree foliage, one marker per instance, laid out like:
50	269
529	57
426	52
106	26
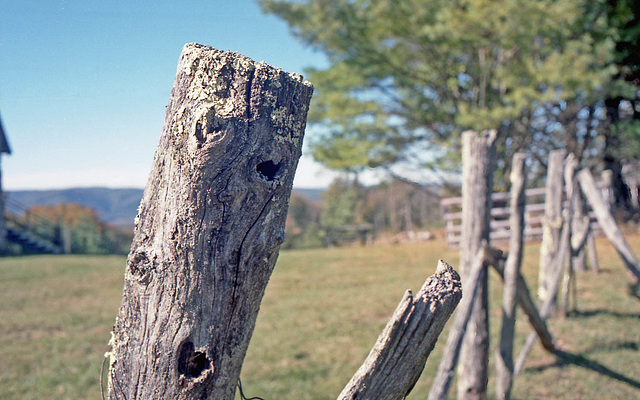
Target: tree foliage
623	100
389	208
87	233
303	223
406	78
342	203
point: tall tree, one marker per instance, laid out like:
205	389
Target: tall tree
405	78
342	203
622	128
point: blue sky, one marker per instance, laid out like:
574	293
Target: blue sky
84	84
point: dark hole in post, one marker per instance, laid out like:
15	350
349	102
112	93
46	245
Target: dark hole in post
191	363
268	169
197	363
198	132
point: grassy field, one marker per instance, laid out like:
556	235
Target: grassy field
322	312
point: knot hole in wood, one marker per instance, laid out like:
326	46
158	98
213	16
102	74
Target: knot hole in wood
268	169
191	363
210	127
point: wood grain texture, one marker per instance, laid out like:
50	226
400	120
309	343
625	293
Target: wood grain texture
209	227
401	351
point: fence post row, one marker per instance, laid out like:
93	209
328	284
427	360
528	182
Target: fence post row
566	231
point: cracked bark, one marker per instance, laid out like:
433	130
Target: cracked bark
209	227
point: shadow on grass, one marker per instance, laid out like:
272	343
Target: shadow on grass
579	360
613	346
634	290
601	311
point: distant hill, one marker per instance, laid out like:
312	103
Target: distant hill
115	206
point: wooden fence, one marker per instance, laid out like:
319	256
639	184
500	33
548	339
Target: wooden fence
500	230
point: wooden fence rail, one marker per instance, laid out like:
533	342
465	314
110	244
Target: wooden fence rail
500	229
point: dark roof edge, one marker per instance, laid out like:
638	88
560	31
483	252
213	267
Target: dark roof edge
4	144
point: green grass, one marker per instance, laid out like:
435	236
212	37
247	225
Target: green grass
322	312
55	317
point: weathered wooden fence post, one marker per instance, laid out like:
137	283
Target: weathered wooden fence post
571	190
478	164
607	190
552	222
579	224
209	227
608	223
592	252
504	361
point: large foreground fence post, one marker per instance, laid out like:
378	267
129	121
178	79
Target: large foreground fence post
209	227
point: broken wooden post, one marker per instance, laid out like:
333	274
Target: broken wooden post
400	353
504	363
552	221
478	165
608	224
209	227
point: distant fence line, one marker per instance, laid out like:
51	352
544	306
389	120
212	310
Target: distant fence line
500	229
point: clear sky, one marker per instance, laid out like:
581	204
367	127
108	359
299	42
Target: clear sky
84	83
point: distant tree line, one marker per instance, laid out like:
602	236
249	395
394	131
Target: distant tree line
79	228
388	208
